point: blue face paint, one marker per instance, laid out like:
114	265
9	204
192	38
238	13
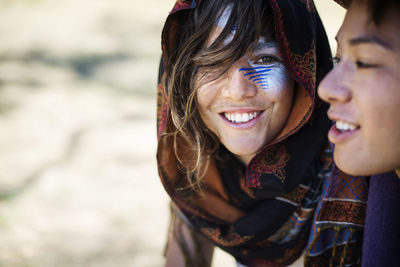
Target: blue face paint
270	76
258	75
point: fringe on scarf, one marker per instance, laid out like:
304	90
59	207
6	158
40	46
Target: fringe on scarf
317	260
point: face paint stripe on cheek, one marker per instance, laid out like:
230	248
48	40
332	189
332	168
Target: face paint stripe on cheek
257	72
255	68
258	75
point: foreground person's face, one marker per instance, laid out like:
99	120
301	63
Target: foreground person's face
364	93
248	105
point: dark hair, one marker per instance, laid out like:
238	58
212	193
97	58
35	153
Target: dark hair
191	59
378	8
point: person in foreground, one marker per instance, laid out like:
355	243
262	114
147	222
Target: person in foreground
242	147
363	91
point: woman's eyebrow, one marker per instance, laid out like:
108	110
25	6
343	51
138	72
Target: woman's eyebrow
262	44
370	39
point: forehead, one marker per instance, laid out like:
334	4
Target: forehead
359	24
263	42
221	23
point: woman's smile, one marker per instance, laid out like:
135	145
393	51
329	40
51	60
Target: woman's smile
238	117
344	127
342	131
241	120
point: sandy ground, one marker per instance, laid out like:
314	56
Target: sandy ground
78	178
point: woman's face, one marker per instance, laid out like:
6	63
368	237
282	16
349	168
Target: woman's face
364	93
248	105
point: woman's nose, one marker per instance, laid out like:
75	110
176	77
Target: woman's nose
237	86
335	88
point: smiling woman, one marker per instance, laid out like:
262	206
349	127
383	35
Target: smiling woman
242	147
249	104
363	91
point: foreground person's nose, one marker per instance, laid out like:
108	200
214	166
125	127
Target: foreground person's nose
333	88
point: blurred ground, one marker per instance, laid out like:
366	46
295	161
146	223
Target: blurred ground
78	178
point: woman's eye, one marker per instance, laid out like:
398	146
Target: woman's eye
360	64
335	60
266	60
363	65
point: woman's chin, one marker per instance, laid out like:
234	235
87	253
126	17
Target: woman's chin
358	166
244	153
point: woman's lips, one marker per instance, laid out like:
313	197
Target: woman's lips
341	131
241	120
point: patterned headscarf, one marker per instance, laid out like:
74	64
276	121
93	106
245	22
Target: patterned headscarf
262	214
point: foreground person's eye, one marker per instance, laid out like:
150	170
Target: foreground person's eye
364	65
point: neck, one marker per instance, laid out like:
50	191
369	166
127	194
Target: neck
246	159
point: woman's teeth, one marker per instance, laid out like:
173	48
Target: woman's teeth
241	117
344	126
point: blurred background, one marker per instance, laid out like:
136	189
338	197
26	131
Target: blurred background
78	176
